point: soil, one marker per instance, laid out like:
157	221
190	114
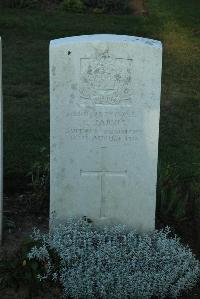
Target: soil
21	215
138	7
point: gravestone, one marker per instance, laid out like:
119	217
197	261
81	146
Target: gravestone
105	107
1	146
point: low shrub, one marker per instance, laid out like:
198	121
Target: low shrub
171	199
120	6
40	183
106	6
20	3
74	5
110	6
114	262
29	3
17	271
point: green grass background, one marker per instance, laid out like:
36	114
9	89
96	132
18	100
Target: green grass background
26	34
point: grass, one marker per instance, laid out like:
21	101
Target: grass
26	35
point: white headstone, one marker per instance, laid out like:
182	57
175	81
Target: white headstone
105	107
1	146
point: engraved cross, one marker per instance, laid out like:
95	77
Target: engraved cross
103	173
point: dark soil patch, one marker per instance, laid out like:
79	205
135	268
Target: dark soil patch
139	8
21	215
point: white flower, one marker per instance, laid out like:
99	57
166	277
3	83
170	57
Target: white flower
115	262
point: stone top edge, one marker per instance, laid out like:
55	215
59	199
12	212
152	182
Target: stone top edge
106	38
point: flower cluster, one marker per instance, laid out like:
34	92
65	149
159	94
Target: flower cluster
115	262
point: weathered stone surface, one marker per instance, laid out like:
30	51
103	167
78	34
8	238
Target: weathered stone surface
105	107
1	146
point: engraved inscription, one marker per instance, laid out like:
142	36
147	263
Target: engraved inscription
102	126
105	81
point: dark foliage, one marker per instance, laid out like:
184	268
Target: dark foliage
108	5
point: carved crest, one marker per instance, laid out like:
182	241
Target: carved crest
105	81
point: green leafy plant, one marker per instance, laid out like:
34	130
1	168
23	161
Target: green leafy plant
40	180
171	201
40	176
17	270
74	5
111	6
19	275
20	3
